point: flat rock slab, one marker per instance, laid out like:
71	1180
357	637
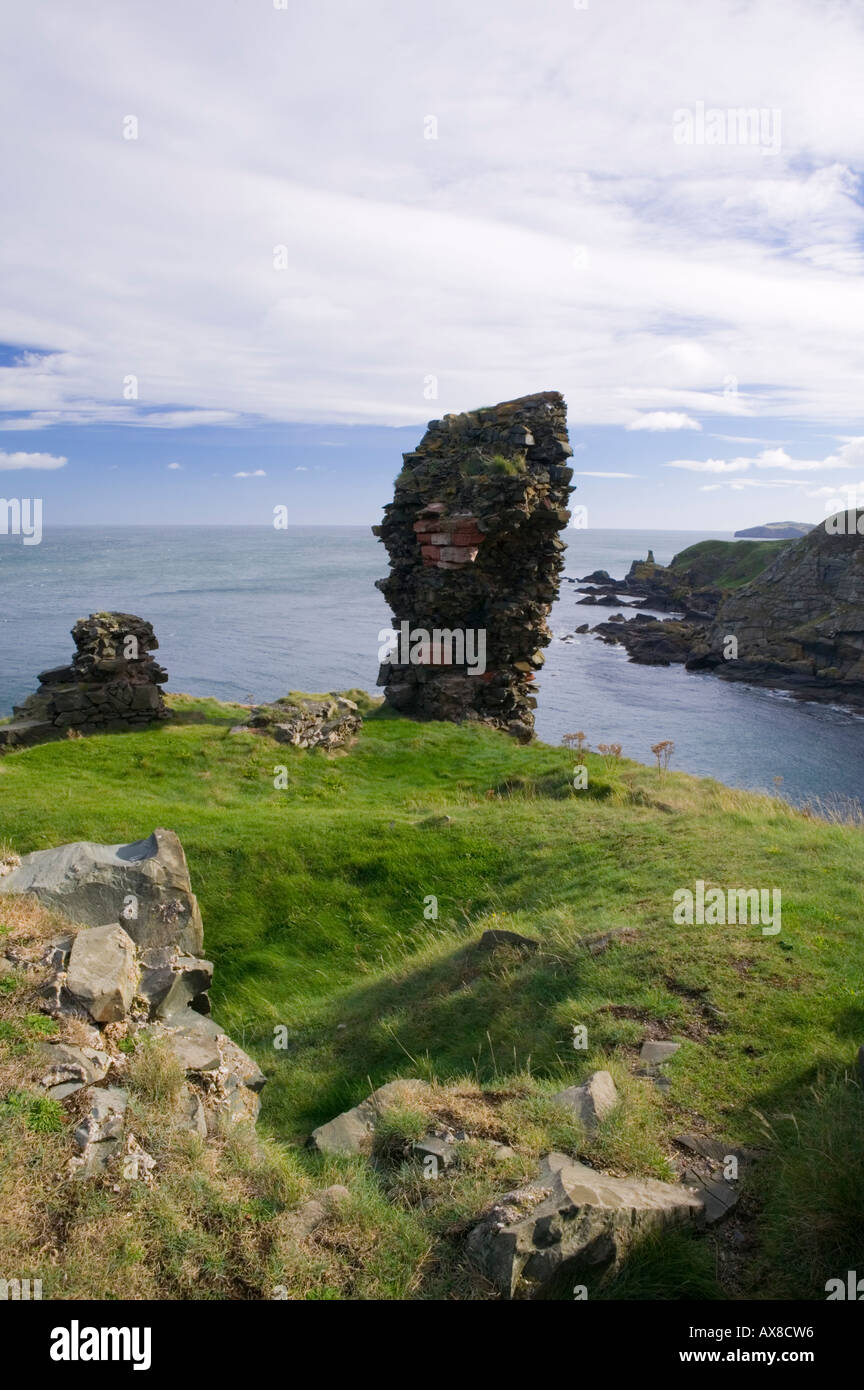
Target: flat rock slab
717	1196
570	1220
65	1064
353	1131
658	1051
103	972
444	1154
144	885
592	1101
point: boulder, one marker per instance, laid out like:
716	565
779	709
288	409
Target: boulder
571	1220
591	1101
144	885
354	1130
191	1039
103	972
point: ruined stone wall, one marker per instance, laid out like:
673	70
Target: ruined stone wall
111	683
472	536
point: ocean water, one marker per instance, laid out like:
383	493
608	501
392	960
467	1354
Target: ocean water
246	612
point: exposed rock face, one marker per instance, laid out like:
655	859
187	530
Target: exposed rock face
800	623
112	683
144	886
133	982
570	1220
472	535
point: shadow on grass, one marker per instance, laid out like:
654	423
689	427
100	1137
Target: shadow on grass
455	1016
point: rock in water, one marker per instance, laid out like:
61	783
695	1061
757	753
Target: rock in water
475	557
145	886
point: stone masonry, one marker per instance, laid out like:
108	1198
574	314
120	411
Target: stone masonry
112	683
472	536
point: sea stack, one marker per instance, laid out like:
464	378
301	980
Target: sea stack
475	559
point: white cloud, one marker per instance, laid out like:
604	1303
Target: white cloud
174	467
407	257
664	420
256	473
300	469
710	465
740	484
21	460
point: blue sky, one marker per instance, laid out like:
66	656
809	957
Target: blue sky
248	251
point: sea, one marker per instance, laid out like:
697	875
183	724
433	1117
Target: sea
249	612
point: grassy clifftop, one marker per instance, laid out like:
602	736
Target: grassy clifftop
316	897
725	565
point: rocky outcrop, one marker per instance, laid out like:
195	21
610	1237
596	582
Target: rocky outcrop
112	683
145	886
306	721
800	624
472	536
571	1220
128	984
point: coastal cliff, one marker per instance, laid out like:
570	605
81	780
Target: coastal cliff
786	615
800	623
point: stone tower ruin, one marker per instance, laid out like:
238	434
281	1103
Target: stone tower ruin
475	556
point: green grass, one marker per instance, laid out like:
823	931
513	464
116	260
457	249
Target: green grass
313	902
726	565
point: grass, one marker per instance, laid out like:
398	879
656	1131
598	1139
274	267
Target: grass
726	565
330	974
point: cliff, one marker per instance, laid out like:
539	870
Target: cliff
800	623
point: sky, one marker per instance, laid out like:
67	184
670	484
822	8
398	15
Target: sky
248	248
